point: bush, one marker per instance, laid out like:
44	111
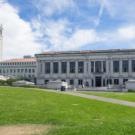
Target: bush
10	81
2	82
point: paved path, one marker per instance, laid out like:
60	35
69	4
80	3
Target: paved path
110	100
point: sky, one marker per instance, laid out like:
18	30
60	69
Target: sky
35	26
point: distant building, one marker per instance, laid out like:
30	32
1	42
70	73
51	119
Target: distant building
19	68
87	68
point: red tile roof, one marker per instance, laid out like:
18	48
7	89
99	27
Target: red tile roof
20	60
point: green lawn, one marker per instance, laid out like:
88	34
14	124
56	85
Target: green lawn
69	115
129	96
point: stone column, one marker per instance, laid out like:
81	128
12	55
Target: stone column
68	68
102	66
86	67
38	68
59	66
111	67
51	68
94	67
120	67
76	68
130	67
89	69
43	67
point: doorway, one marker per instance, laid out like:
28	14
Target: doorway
98	81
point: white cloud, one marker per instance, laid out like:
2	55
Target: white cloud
120	9
127	33
60	36
18	38
122	37
48	7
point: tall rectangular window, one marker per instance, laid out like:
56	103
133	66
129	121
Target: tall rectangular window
64	67
116	81
80	67
72	67
133	65
125	66
98	66
92	66
47	68
116	66
71	82
55	67
80	82
104	66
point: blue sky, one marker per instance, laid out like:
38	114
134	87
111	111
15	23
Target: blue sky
66	25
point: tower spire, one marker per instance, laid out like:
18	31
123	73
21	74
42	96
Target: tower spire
1	42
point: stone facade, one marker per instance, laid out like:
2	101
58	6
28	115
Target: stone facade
21	68
87	68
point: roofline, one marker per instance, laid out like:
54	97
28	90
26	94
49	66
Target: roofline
33	59
86	52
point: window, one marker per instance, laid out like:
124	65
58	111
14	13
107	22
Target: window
116	66
92	82
104	66
98	67
116	81
64	67
80	82
29	70
47	67
109	81
10	70
133	65
71	82
33	70
87	67
125	80
18	70
72	67
80	67
92	66
103	82
26	70
55	67
22	70
125	66
46	81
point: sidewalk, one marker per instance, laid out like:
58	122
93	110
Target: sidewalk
110	100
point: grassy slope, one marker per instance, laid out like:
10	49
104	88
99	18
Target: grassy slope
71	115
129	96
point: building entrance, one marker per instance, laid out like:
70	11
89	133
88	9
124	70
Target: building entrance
98	81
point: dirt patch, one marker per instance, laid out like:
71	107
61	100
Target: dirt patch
24	130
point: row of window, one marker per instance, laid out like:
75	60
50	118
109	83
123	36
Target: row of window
17	63
81	82
17	70
72	67
63	67
125	66
97	67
